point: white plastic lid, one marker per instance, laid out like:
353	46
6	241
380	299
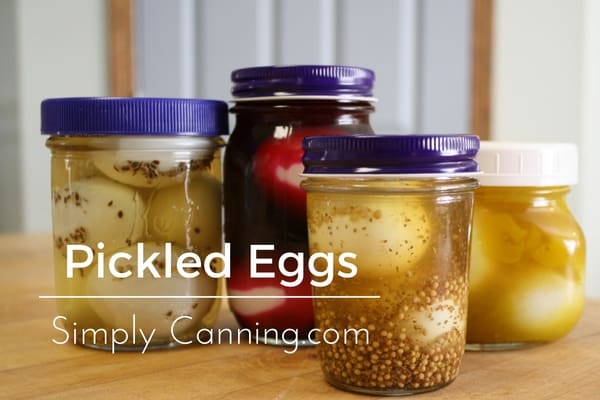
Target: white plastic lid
527	164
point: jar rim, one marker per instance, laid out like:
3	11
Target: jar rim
279	97
125	142
391	176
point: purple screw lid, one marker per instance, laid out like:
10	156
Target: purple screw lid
390	154
302	80
144	116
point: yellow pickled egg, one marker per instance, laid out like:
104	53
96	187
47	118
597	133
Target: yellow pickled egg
97	210
553	221
147	169
188	215
437	319
501	237
555	241
481	268
388	234
150	314
552	252
487	264
545	305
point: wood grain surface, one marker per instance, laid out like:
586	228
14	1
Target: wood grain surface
32	367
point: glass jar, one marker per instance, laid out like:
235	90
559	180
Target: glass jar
275	107
136	210
389	220
528	252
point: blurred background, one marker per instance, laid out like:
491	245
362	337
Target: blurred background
503	69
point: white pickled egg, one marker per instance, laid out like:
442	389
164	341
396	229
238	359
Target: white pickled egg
388	234
78	310
188	215
148	169
151	314
256	306
437	319
97	210
545	305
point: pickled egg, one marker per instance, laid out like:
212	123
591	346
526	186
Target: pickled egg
151	314
67	170
78	310
499	240
435	320
481	269
504	238
188	215
545	305
388	235
147	169
97	210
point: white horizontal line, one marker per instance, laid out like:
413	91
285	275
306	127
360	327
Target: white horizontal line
209	297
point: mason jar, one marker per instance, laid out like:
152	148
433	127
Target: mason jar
275	108
136	210
528	252
389	219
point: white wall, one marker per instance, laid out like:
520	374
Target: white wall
10	195
61	51
589	189
420	50
541	48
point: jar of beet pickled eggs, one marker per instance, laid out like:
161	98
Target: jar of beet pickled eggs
136	210
393	212
275	108
528	252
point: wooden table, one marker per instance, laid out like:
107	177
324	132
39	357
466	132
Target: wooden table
31	366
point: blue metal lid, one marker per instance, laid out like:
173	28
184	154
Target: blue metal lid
80	116
390	154
302	80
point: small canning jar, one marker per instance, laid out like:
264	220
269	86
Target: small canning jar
528	252
275	108
403	206
135	191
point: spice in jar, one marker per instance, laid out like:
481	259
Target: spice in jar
402	205
136	201
528	252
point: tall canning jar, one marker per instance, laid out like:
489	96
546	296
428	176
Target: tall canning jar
136	192
275	108
528	252
398	210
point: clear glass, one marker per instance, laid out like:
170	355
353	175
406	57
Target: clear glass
527	268
124	199
411	240
264	204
